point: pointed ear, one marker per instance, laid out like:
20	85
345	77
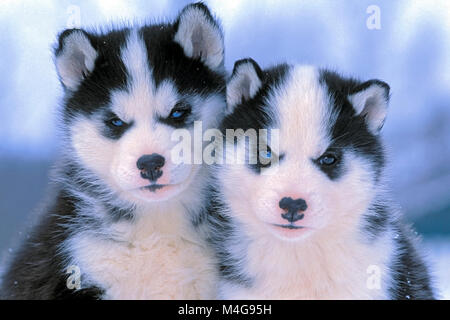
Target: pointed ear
371	100
74	57
200	35
245	82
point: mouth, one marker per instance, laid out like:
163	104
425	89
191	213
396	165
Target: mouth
153	187
288	226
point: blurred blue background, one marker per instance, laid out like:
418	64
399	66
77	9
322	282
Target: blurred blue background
409	48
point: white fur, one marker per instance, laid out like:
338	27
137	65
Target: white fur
325	267
158	256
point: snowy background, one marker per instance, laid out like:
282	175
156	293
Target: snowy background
410	51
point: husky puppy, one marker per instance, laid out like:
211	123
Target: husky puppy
121	224
310	217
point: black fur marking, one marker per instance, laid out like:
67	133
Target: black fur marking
168	62
111	131
95	189
252	114
335	170
186	120
411	280
212	20
198	218
91	293
369	83
249	114
37	271
376	221
222	229
237	64
93	93
166	59
118	214
259	165
350	131
257	69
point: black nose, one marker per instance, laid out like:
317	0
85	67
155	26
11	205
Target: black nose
292	207
150	166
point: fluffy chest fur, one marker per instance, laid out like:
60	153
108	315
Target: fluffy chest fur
319	269
157	257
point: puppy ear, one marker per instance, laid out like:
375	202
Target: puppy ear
74	57
200	35
245	82
371	100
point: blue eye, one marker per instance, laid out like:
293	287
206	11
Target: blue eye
327	160
179	113
117	122
176	114
266	154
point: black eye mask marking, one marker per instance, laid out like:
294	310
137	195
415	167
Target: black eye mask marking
349	131
180	116
331	163
114	127
265	158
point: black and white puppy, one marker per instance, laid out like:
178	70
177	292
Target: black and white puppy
310	217
120	225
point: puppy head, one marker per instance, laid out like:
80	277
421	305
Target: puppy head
322	142
128	90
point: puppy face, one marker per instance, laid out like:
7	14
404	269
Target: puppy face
127	91
326	154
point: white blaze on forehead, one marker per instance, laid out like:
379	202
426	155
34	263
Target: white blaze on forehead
303	106
142	99
134	56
